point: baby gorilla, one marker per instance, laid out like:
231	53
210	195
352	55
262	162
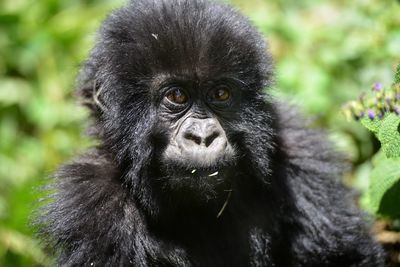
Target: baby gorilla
197	165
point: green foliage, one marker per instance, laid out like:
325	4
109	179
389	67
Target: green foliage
41	46
389	136
387	132
397	75
372	125
383	196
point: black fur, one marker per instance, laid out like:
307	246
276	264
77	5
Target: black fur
285	205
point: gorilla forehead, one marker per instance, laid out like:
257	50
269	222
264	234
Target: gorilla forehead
186	37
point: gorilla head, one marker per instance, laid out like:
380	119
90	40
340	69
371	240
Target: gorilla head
178	87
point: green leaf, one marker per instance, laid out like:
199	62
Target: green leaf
372	125
389	135
384	189
387	130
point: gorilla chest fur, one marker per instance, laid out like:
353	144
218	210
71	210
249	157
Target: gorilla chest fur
235	238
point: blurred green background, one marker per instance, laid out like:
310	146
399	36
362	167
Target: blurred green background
326	53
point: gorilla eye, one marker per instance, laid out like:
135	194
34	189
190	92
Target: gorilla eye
220	94
177	96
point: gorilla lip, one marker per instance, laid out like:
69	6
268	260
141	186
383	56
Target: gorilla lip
199	172
212	174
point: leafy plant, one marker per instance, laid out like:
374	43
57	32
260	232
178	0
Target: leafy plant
379	113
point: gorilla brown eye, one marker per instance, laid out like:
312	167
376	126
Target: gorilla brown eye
220	94
177	96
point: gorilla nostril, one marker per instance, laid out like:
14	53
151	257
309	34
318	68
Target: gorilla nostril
193	138
211	138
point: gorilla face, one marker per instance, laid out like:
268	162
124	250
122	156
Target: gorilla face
197	117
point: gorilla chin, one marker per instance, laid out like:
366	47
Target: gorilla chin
197	184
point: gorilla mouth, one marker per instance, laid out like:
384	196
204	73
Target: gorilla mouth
200	180
212	172
202	172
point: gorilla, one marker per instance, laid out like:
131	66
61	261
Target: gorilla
196	164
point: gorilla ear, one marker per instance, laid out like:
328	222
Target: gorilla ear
89	90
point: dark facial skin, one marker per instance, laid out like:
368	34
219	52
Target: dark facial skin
197	153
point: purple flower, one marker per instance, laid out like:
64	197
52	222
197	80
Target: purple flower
377	87
371	114
397	110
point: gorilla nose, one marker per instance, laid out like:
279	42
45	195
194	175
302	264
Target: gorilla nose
200	134
204	137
